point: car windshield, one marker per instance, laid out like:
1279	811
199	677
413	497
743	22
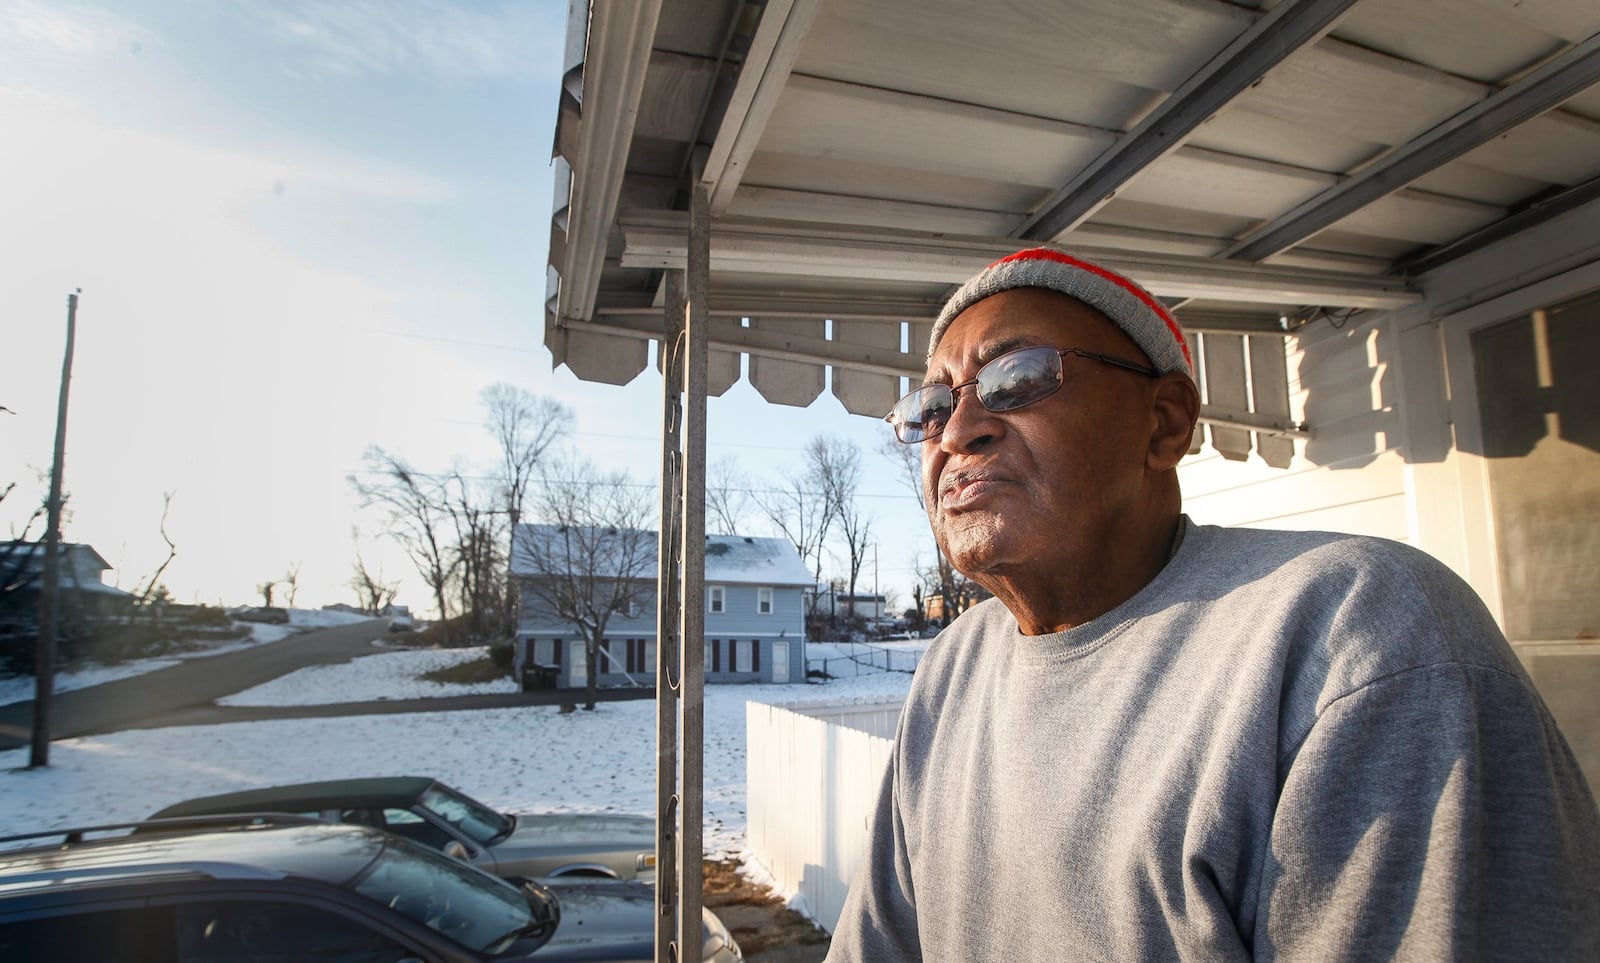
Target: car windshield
466	814
466	904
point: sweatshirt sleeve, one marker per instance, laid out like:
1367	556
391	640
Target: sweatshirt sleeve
879	921
1433	814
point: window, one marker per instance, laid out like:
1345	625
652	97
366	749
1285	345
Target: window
636	656
114	936
251	930
764	600
719	601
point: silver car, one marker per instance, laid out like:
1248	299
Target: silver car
446	819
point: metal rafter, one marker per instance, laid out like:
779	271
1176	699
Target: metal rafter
1277	35
762	77
659	240
1541	90
1532	215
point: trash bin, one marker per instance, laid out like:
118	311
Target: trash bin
539	677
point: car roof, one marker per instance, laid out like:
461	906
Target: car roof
384	791
330	853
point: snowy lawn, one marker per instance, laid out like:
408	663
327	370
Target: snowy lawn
514	759
21	688
393	676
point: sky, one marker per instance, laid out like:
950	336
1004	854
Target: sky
300	229
586	760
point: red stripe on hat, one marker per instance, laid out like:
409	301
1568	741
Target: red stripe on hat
1046	254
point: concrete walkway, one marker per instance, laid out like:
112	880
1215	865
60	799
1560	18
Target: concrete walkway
186	693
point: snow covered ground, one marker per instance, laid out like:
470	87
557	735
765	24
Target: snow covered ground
532	758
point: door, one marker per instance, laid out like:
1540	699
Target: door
780	662
579	664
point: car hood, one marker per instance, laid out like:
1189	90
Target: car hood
582	830
614	920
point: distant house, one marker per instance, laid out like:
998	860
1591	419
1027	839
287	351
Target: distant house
81	587
754	608
863	606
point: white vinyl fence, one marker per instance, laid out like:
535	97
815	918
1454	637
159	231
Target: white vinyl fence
813	771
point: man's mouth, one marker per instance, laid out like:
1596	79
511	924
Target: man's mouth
962	489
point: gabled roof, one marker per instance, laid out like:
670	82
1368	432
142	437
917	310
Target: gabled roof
740	559
33	553
730	559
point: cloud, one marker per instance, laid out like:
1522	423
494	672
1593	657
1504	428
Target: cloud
31	27
397	37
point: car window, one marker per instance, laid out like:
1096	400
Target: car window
261	931
108	936
471	817
466	904
401	822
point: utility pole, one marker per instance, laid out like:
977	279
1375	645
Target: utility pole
44	659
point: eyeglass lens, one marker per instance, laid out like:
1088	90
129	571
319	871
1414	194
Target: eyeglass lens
1010	381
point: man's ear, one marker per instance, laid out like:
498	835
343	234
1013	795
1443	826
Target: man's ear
1177	408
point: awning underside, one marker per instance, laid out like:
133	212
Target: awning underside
1251	167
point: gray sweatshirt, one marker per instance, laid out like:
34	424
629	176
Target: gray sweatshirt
1297	746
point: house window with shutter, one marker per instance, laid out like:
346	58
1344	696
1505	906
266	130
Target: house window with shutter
719	601
764	600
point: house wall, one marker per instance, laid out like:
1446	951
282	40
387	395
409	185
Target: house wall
740	629
1397	445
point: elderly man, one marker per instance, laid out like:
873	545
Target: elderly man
1168	741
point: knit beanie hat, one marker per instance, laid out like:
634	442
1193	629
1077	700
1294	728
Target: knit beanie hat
1130	307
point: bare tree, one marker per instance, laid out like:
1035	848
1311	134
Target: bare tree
479	557
291	582
524	426
727	497
145	595
373	592
592	557
835	464
266	588
414	503
798	507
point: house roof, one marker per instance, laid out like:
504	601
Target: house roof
730	559
33	552
1252	164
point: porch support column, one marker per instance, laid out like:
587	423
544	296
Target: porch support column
669	607
691	697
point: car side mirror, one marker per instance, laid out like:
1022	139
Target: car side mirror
456	849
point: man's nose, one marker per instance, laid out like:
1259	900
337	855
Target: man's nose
971	425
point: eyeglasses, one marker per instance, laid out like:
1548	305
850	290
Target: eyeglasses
1011	381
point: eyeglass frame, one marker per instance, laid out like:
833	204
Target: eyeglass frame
955	390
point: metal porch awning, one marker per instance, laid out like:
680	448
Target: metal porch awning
802	182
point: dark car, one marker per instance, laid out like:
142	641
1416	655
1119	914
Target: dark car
259	890
442	818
